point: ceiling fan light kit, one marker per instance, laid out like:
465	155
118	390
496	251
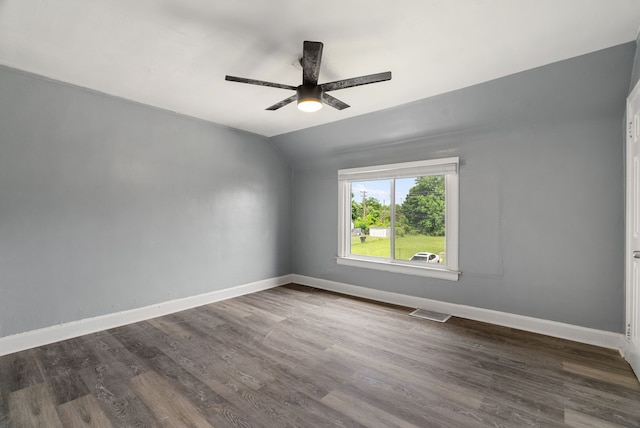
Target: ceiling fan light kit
310	96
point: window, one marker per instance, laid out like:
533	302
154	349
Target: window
401	218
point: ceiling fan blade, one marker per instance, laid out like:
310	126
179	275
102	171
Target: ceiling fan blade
258	82
356	81
334	102
283	103
311	57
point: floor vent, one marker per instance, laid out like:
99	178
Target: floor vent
430	315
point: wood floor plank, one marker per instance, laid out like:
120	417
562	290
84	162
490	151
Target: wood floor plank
170	408
33	407
623	409
209	401
20	370
418	401
83	412
253	310
247	401
312	412
170	361
433	383
602	375
4	401
107	380
171	325
528	393
295	356
110	352
115	398
580	420
60	363
362	411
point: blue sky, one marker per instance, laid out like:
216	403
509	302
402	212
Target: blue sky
381	189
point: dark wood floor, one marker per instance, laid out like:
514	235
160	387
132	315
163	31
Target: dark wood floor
299	357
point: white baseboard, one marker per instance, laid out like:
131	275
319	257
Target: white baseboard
43	336
56	333
576	333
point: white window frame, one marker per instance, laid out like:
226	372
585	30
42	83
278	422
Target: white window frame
449	168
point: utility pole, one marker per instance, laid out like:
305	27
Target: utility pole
364	203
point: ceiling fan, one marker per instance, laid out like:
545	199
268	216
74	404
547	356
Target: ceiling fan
310	95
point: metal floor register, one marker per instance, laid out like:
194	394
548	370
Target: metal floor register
430	315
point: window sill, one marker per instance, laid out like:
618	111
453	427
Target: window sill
431	272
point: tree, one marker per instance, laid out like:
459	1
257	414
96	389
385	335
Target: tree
372	204
424	206
356	209
401	224
370	212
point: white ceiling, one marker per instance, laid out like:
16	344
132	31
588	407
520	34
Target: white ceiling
174	54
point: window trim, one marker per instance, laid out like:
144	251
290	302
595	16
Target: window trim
448	167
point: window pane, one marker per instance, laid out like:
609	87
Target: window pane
420	219
370	218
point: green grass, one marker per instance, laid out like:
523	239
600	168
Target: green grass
406	246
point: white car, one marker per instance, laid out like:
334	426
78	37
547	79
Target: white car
426	257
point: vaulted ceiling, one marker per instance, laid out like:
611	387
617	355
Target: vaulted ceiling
174	54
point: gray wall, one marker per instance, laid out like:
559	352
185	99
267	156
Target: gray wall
541	189
107	205
635	75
